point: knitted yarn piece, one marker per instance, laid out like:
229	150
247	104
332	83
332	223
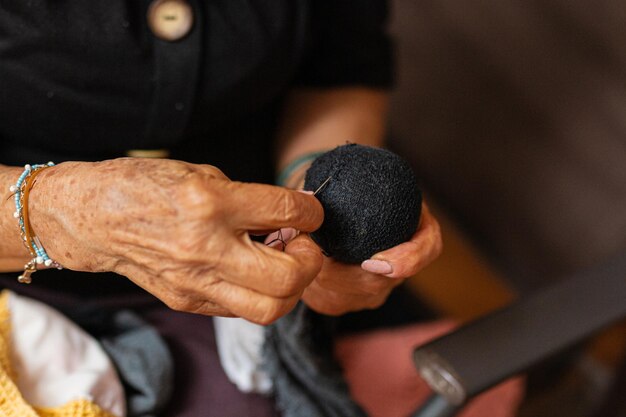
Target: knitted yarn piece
371	202
12	403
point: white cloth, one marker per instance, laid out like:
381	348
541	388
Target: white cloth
57	362
240	347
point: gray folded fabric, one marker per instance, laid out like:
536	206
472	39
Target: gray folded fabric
143	362
308	381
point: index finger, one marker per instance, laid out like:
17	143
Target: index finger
267	207
271	272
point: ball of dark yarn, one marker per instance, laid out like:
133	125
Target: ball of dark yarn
371	202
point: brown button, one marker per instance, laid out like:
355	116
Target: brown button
170	20
148	153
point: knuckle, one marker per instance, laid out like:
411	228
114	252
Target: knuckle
289	285
200	281
188	253
411	270
272	312
194	196
326	279
375	302
178	303
267	318
327	303
292	282
437	239
208	308
215	172
181	250
438	246
407	269
376	287
287	207
333	309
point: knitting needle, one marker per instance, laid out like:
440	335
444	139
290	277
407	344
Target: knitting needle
322	186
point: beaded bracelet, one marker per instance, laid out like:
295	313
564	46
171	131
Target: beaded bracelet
21	190
299	163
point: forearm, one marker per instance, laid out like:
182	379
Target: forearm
319	120
13	253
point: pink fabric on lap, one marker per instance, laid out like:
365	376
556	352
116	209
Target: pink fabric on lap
383	380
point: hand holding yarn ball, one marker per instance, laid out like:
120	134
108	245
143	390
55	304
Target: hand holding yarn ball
371	201
373	216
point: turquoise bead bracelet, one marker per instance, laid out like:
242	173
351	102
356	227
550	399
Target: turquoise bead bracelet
20	190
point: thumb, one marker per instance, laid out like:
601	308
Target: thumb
307	254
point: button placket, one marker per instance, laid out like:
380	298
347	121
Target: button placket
177	45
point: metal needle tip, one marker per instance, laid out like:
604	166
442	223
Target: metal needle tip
322	186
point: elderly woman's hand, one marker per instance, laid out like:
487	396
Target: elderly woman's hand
340	288
181	231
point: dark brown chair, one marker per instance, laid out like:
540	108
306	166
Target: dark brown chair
484	353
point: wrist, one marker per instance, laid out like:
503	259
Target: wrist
20	194
50	204
292	176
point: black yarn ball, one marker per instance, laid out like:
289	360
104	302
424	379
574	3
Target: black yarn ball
371	202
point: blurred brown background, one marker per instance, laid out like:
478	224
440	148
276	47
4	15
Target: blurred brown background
513	112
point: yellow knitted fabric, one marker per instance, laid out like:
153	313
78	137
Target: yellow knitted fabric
12	404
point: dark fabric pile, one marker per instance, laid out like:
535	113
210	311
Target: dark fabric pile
299	357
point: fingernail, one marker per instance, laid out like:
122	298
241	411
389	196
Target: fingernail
271	237
289	233
377	267
306	192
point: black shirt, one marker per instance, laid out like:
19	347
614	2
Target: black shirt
88	80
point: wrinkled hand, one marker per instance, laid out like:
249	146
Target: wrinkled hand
181	231
340	288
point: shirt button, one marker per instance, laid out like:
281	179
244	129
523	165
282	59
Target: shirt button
148	153
170	20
